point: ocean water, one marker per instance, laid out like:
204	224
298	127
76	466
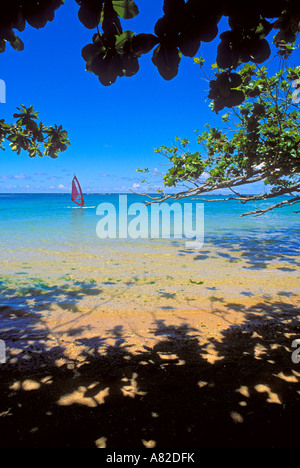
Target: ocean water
54	265
33	221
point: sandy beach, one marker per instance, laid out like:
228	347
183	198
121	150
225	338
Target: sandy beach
165	348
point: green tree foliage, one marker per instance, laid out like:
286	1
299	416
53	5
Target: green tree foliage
258	140
33	137
179	32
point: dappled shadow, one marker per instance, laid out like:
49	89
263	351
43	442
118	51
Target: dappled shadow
240	390
258	251
167	295
38	293
22	308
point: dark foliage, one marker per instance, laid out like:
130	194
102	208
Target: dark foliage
184	25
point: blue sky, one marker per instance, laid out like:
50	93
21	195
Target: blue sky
113	130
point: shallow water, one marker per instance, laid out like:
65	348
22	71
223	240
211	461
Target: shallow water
55	269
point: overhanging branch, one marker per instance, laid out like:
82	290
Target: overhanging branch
281	204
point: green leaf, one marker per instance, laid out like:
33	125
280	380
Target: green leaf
196	282
17	44
199	60
123	42
126	9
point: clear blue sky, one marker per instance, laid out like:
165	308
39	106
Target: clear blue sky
112	130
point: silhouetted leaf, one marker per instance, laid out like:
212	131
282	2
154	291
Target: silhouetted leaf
89	52
261	51
109	20
225	57
188	45
143	43
107	67
236	98
2	45
235	80
130	64
167	60
88	17
38	13
208	32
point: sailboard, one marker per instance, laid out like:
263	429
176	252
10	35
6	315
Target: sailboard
77	196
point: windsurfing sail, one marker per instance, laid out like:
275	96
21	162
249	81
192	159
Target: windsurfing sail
77	196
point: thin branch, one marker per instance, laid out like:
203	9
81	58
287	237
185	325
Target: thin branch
259	212
258	197
206	187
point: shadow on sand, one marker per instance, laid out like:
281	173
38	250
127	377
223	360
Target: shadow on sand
239	391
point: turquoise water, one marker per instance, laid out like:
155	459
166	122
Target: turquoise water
44	230
40	220
53	263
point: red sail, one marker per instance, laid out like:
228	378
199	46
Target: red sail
77	196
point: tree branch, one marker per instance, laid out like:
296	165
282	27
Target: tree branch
259	212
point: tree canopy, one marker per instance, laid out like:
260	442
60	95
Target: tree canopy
265	142
33	137
184	24
258	140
